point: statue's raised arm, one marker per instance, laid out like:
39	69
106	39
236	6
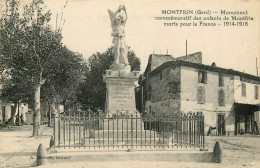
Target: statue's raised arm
121	12
120	49
119	17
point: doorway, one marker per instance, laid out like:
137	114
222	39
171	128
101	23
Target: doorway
221	124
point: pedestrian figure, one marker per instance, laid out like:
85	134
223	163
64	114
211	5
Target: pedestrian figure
21	117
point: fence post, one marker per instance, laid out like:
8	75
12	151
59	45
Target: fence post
132	139
51	141
203	131
56	119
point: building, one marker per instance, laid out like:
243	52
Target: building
6	109
228	99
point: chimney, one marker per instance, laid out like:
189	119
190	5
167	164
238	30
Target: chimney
213	64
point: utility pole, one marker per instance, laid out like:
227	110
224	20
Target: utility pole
256	68
186	47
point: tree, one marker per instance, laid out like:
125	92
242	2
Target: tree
64	77
15	87
93	90
43	46
31	47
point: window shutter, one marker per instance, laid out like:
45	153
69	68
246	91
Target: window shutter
256	92
201	95
221	80
200	77
221	98
205	77
243	89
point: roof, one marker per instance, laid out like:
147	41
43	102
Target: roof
203	67
156	60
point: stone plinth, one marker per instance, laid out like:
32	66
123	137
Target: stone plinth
120	94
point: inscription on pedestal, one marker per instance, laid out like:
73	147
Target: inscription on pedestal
121	94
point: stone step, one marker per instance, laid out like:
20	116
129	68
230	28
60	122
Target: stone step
171	156
119	142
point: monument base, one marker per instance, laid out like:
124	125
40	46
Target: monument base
120	94
122	67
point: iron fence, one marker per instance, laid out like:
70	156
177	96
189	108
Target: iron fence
92	130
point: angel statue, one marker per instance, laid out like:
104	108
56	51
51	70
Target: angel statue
120	49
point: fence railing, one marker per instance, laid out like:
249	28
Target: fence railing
91	130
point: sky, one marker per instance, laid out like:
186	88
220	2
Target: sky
87	30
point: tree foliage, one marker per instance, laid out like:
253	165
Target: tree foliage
93	90
64	78
15	86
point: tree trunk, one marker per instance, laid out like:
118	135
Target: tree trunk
49	113
18	113
37	112
13	111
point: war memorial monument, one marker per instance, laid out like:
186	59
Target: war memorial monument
120	81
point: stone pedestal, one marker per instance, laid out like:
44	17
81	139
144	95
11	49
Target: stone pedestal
120	94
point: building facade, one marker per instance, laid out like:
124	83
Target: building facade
228	99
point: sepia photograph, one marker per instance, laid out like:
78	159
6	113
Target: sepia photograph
127	83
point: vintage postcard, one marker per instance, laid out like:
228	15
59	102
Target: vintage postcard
88	83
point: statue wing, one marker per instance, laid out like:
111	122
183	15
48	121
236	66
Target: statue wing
111	15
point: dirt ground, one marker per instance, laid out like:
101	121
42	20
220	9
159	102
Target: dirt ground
18	149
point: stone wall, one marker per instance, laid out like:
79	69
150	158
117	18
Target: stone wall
165	95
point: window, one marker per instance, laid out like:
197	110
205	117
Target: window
243	89
174	87
221	98
202	77
256	92
201	95
220	80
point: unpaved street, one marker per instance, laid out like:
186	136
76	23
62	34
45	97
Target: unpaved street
18	149
238	150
